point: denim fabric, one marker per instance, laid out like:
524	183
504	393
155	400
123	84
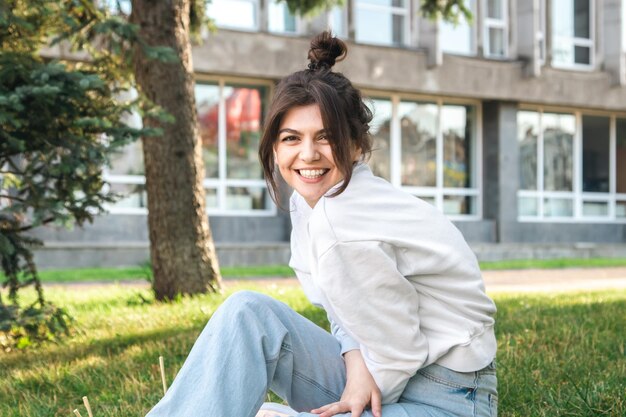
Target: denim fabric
254	343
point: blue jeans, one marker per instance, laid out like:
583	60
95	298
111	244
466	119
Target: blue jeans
254	343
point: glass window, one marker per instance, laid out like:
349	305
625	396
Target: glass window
382	22
572	29
457	131
337	21
620	156
229	119
246	198
527	136
459	204
457	39
496	28
243	131
620	210
558	151
418	127
595	209
132	196
541	32
280	20
558	207
207	104
528	206
596	144
235	14
380	130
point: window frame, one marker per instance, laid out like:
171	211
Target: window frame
438	192
392	10
492	23
298	20
584	42
577	195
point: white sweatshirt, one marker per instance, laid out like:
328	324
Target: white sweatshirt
397	280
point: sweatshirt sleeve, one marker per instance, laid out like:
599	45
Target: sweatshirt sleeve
377	307
347	343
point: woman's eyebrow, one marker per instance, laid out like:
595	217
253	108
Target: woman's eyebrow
296	132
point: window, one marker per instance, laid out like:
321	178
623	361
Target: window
496	32
382	22
235	14
429	148
279	19
572	31
229	120
458	39
229	116
571	185
338	21
380	130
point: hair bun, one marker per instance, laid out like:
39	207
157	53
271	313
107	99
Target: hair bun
325	51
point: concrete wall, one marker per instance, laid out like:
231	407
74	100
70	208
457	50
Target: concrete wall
263	55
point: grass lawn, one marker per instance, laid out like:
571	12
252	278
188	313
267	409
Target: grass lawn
559	354
134	273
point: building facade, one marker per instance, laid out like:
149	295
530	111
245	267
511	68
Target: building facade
513	124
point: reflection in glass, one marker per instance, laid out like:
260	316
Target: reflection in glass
246	198
418	124
207	104
338	19
558	151
527	136
456	127
389	27
128	160
596	143
620	156
280	20
459	204
595	208
558	207
236	14
131	195
527	206
244	112
380	130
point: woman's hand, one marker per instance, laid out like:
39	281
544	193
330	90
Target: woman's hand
360	390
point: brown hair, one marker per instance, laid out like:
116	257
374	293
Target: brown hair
345	116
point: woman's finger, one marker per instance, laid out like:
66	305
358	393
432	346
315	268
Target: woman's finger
334	408
376	403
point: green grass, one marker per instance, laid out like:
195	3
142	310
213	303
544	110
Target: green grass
134	273
553	263
559	354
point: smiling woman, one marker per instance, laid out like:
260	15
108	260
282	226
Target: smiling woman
304	155
412	327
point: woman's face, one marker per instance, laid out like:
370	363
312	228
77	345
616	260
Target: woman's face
303	154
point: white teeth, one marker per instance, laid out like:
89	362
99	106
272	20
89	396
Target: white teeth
312	173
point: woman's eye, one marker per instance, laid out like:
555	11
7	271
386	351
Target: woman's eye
289	139
322	138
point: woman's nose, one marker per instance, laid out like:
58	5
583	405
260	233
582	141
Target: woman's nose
309	151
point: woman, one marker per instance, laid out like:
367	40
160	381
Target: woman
412	327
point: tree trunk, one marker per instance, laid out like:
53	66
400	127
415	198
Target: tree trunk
181	248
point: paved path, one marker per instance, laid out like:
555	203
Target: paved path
526	280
